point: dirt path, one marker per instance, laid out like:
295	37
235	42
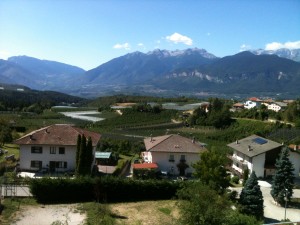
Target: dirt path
46	215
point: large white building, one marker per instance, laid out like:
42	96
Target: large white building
173	153
52	148
255	153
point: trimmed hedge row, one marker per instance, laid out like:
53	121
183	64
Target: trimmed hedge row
104	189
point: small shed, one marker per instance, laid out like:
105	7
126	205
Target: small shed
103	158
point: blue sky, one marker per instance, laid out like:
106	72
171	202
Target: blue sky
88	33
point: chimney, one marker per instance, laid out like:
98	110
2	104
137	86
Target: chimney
31	137
237	142
249	148
193	140
295	147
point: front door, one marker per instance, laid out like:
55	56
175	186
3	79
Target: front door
52	166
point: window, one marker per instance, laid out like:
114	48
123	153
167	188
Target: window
171	158
52	150
36	164
182	158
61	165
36	149
61	150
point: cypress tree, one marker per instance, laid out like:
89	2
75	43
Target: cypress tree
77	153
283	179
81	159
89	155
251	198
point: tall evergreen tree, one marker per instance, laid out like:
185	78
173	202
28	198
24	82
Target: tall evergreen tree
251	198
77	153
283	179
89	155
81	159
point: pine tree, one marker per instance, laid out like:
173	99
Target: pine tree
251	198
283	179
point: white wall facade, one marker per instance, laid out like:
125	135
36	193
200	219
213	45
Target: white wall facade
162	159
295	160
250	104
274	107
258	165
26	156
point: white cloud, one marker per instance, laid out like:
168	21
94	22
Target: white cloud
244	47
277	45
140	44
178	38
208	33
125	46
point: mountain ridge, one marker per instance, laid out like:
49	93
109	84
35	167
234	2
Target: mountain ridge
178	72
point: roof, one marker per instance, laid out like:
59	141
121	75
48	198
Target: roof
281	104
173	143
102	155
238	105
254	99
57	134
145	166
257	144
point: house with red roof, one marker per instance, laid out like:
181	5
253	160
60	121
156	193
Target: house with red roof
172	153
52	148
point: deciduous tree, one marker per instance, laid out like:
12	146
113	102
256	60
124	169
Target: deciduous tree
211	170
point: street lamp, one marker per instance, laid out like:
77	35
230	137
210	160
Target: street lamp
285	198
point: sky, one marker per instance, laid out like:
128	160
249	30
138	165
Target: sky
88	33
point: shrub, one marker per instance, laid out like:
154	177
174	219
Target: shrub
235	179
103	189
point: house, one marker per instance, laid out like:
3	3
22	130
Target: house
251	104
295	158
237	107
172	153
52	148
277	106
255	153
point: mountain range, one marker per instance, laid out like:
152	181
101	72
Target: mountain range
163	72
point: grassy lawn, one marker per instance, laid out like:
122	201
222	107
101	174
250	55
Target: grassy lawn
11	149
11	207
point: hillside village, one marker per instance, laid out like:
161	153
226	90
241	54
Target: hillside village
169	145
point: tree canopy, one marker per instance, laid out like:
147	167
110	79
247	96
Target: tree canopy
199	204
211	170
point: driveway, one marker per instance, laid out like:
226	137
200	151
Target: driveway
272	212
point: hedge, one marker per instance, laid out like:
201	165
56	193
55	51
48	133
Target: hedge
104	189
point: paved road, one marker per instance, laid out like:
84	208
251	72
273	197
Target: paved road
273	212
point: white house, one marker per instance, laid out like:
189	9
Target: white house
251	104
52	147
255	153
277	106
295	158
172	153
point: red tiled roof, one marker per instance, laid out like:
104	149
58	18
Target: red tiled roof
58	134
145	166
172	143
254	99
293	147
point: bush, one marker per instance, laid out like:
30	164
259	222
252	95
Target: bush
103	189
235	179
